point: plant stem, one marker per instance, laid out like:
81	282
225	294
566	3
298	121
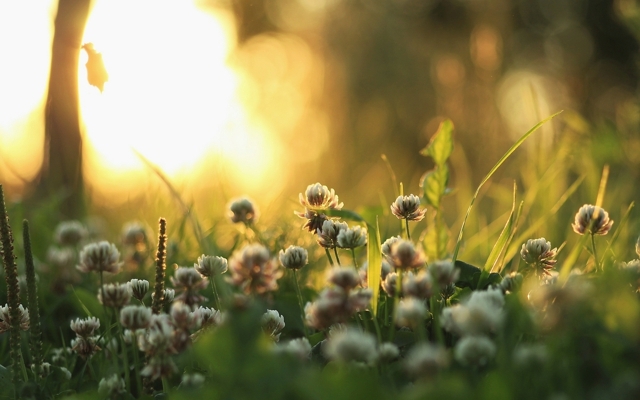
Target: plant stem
32	300
329	256
216	299
355	262
300	302
396	301
433	306
406	225
595	254
335	250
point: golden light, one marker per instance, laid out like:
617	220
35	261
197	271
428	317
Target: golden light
170	96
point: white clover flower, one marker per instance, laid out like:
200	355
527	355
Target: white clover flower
538	254
158	337
410	312
404	255
294	257
99	257
209	266
272	324
328	234
346	278
474	351
85	327
115	295
444	272
135	317
481	313
112	387
61	258
424	360
192	380
134	234
139	288
299	348
592	219
210	317
59	355
159	367
65	372
319	197
386	246
351	238
352	346
253	270
511	282
184	318
5	318
419	286
45	369
242	210
85	347
390	284
408	207
70	233
388	352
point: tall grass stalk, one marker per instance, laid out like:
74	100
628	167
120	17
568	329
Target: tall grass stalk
35	338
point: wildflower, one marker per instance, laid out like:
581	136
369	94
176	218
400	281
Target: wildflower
408	207
157	339
189	282
85	327
328	235
59	355
253	270
511	282
314	220
384	271
592	219
159	367
70	233
346	278
135	317
538	254
45	369
210	317
209	266
134	234
404	255
299	348
426	359
481	314
390	284
99	257
352	346
335	305
192	380
184	318
85	347
65	372
112	387
138	288
388	352
294	257
272	324
5	318
444	272
61	259
386	246
169	295
319	197
474	351
418	286
115	295
410	312
351	238
243	210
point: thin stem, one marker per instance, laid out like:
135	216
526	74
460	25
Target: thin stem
216	299
335	250
406	225
300	302
355	261
136	365
396	301
433	306
125	358
329	256
595	254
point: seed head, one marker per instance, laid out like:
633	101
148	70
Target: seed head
538	254
139	288
101	256
135	317
85	327
592	219
351	238
243	210
408	207
294	257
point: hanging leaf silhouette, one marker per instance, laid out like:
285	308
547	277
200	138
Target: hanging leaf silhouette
97	74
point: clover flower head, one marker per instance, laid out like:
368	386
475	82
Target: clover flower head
99	257
314	220
157	339
112	387
346	278
61	258
408	207
272	324
539	254
70	233
404	255
386	246
45	369
169	295
159	367
410	312
319	197
390	283
210	317
183	318
5	318
424	360
417	285
139	288
336	305
299	348
253	270
352	346
388	352
481	314
115	295
85	347
192	380
444	272
189	281
135	317
351	238
294	257
134	234
511	282
85	327
60	355
242	210
328	234
209	266
592	219
474	351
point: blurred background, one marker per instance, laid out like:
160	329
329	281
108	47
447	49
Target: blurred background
263	97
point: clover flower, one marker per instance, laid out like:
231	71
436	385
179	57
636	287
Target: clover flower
253	270
314	220
209	266
70	233
351	238
135	234
336	305
85	347
294	257
419	286
384	271
299	348
346	278
85	327
242	210
185	319
319	197
424	360
158	338
61	258
210	317
511	282
352	346
194	380
115	295
139	288
403	255
99	257
390	283
328	234
159	367
112	387
45	369
444	273
408	207
482	313
5	318
189	281
60	355
592	219
135	317
388	352
386	245
538	254
272	324
410	312
474	351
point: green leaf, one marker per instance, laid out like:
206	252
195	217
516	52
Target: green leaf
374	257
432	249
434	185
469	275
502	243
490	174
441	144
